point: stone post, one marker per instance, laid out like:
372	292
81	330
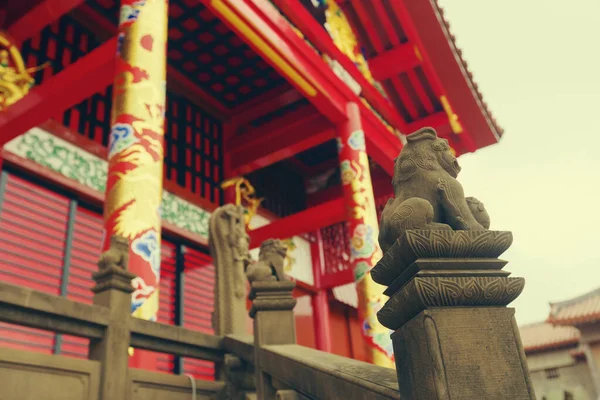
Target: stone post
454	336
136	150
113	290
274	324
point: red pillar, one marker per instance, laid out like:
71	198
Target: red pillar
320	302
136	152
363	231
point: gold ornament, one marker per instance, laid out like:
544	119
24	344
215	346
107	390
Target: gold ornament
15	79
244	196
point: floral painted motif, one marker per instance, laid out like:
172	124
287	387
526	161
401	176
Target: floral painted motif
60	156
141	292
356	141
122	136
377	335
185	215
348	174
363	244
147	247
360	270
72	162
130	13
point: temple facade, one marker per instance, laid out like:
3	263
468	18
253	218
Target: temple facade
140	118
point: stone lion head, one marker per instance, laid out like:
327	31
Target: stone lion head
272	247
424	150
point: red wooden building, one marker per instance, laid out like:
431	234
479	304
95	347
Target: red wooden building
255	88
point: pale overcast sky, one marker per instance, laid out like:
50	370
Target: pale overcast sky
537	63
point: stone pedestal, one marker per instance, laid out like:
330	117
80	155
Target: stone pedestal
274	324
454	337
113	290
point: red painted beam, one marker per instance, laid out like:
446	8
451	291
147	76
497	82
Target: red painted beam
268	105
381	186
86	76
309	220
438	121
337	279
40	16
393	62
280	145
319	37
360	6
386	22
423	97
262	133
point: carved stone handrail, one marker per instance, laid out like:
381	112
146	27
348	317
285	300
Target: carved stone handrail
322	375
175	340
241	346
318	374
23	306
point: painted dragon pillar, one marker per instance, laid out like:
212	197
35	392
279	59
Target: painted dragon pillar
363	229
229	244
136	150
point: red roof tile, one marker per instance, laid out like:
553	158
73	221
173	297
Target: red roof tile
543	336
584	309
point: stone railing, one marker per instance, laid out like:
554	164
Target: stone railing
454	337
111	330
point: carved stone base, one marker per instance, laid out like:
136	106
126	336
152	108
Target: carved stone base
470	353
445	245
429	289
271	296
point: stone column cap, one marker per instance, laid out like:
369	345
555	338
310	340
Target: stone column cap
479	289
113	277
272	296
420	244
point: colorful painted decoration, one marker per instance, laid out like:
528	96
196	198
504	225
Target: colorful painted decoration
344	38
365	251
136	146
15	79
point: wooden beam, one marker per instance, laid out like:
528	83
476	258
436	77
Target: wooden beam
88	75
38	17
393	62
305	221
269	104
281	145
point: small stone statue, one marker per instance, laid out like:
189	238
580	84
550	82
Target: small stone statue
117	254
427	194
228	242
270	262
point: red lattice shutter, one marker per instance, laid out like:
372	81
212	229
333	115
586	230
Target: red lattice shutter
167	293
199	283
33	227
85	251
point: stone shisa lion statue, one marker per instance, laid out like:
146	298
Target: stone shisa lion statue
429	225
447	290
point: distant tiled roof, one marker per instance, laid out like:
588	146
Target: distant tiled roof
584	309
543	336
474	85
